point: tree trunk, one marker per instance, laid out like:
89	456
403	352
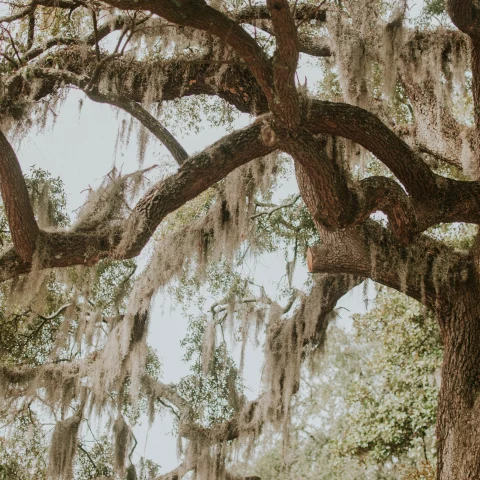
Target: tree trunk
458	421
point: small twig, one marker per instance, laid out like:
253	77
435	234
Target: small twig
95	33
133	448
291	301
278	207
12	41
166	405
47	319
88	456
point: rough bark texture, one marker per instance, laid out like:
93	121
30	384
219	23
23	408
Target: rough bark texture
22	223
458	424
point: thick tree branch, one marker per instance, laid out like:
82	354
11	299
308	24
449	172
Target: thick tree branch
465	14
286	101
199	15
333	203
368	130
426	269
180	78
18	209
127	239
196	175
435	198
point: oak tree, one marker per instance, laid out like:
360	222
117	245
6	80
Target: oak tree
394	91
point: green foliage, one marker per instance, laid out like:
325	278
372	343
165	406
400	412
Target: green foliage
368	410
434	7
23	448
393	401
214	395
48	198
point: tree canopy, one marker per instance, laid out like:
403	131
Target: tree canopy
383	144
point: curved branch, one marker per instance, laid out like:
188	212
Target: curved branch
196	175
435	199
127	239
145	118
199	15
386	195
366	129
18	209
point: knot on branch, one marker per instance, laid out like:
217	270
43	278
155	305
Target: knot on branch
268	135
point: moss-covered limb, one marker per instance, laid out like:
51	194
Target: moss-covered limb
435	198
177	473
261	12
178	78
145	118
426	269
127	239
458	200
199	15
196	175
18	209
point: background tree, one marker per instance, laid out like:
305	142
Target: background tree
390	90
367	409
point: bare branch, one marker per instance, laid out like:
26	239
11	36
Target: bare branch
274	209
16	16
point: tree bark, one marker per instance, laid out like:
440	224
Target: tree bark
458	420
